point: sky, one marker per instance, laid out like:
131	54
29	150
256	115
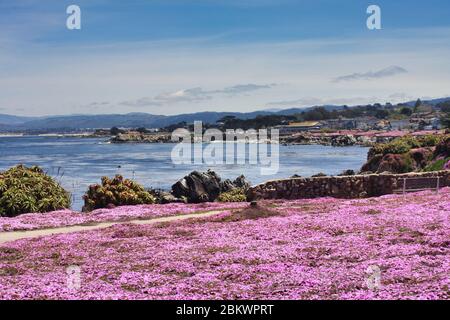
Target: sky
180	56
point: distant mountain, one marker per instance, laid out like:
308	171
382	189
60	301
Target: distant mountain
290	111
7	119
130	120
432	101
79	122
134	120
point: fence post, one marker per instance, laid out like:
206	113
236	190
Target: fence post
437	185
404	186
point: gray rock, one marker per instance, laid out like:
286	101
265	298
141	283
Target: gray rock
198	187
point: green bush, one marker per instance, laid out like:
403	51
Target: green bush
404	144
116	192
235	195
26	190
437	165
396	147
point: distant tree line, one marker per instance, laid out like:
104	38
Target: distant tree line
387	111
445	109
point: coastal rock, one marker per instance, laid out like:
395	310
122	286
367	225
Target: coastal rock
343	141
443	149
392	163
140	137
421	157
163	197
348	173
241	182
226	185
206	186
198	187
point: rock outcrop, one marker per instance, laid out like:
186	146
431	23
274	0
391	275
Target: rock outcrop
409	154
138	137
205	186
343	141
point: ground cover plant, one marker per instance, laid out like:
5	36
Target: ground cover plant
304	249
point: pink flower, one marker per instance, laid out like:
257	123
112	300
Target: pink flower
447	165
306	249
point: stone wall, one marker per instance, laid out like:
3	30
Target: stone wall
358	186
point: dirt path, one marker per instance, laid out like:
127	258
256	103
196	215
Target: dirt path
17	235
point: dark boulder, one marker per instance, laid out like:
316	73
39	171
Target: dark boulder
206	186
343	141
241	182
318	175
163	197
372	164
348	172
227	185
198	187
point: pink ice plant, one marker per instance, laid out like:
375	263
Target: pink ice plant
309	249
447	165
65	218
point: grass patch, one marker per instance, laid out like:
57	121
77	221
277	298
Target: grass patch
250	213
8	271
9	254
372	212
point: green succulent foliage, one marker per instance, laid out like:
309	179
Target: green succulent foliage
437	165
406	143
116	192
25	190
235	195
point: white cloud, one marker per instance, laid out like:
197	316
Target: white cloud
197	94
371	75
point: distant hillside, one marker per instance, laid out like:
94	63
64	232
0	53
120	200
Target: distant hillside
134	120
431	102
7	119
130	120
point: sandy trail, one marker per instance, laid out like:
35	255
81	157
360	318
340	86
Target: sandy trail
17	235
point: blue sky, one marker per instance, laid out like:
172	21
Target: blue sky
178	56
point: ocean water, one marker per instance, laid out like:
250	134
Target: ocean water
79	162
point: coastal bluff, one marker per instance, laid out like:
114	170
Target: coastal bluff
348	187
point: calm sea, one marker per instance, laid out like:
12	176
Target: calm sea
79	162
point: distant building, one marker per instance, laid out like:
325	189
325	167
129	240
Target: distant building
436	124
340	124
400	124
426	123
366	123
299	127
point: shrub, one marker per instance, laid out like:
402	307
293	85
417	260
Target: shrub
115	192
404	144
235	195
395	163
26	190
430	140
441	164
396	147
